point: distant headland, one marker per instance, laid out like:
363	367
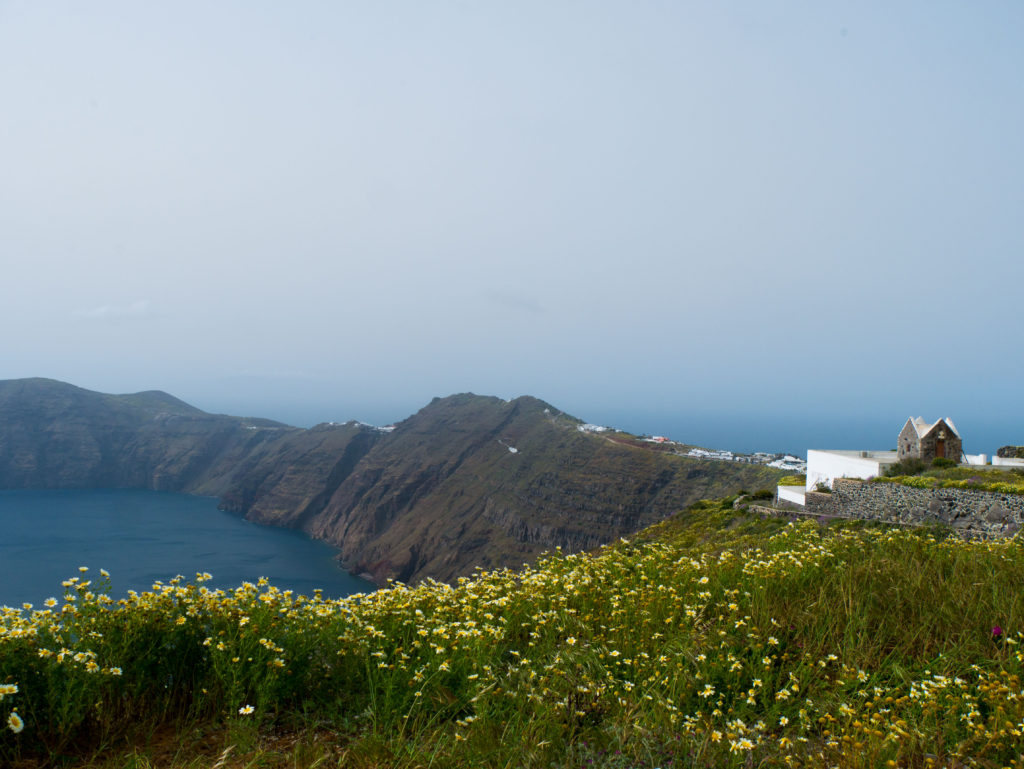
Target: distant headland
467	482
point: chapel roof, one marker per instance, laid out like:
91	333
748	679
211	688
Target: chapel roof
923	428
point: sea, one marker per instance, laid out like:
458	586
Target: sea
144	536
141	537
796	434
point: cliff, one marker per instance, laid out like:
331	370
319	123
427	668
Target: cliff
56	435
469	481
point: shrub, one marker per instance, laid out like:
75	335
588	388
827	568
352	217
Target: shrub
908	466
941	462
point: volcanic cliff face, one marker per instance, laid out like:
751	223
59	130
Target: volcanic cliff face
473	481
469	481
56	435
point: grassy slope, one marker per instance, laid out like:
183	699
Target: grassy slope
712	639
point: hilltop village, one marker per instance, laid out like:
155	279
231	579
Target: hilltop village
777	461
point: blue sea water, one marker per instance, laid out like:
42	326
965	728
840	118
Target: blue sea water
144	536
796	434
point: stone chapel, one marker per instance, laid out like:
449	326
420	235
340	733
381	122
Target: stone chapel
928	441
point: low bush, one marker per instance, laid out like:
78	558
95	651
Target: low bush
975	483
908	466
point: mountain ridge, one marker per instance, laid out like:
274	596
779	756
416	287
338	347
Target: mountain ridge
469	481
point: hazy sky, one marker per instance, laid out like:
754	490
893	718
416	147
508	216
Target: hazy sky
324	210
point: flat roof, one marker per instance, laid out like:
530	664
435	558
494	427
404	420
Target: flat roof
880	456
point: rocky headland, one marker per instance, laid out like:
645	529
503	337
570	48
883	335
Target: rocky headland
467	482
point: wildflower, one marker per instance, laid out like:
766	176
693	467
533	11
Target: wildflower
14	723
246	710
997	632
735	746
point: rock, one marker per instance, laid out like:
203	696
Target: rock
996	513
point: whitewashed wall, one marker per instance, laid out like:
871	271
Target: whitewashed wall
826	466
794	494
1008	462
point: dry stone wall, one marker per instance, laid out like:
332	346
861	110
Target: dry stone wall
983	514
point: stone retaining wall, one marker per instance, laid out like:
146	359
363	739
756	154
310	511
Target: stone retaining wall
796	514
975	513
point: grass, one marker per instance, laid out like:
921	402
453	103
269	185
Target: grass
1002	481
713	639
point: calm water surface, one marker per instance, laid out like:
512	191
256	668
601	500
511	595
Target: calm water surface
144	536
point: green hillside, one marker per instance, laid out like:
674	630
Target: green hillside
712	639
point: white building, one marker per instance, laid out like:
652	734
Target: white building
918	438
825	466
1006	461
794	494
789	463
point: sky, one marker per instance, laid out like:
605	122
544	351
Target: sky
645	213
